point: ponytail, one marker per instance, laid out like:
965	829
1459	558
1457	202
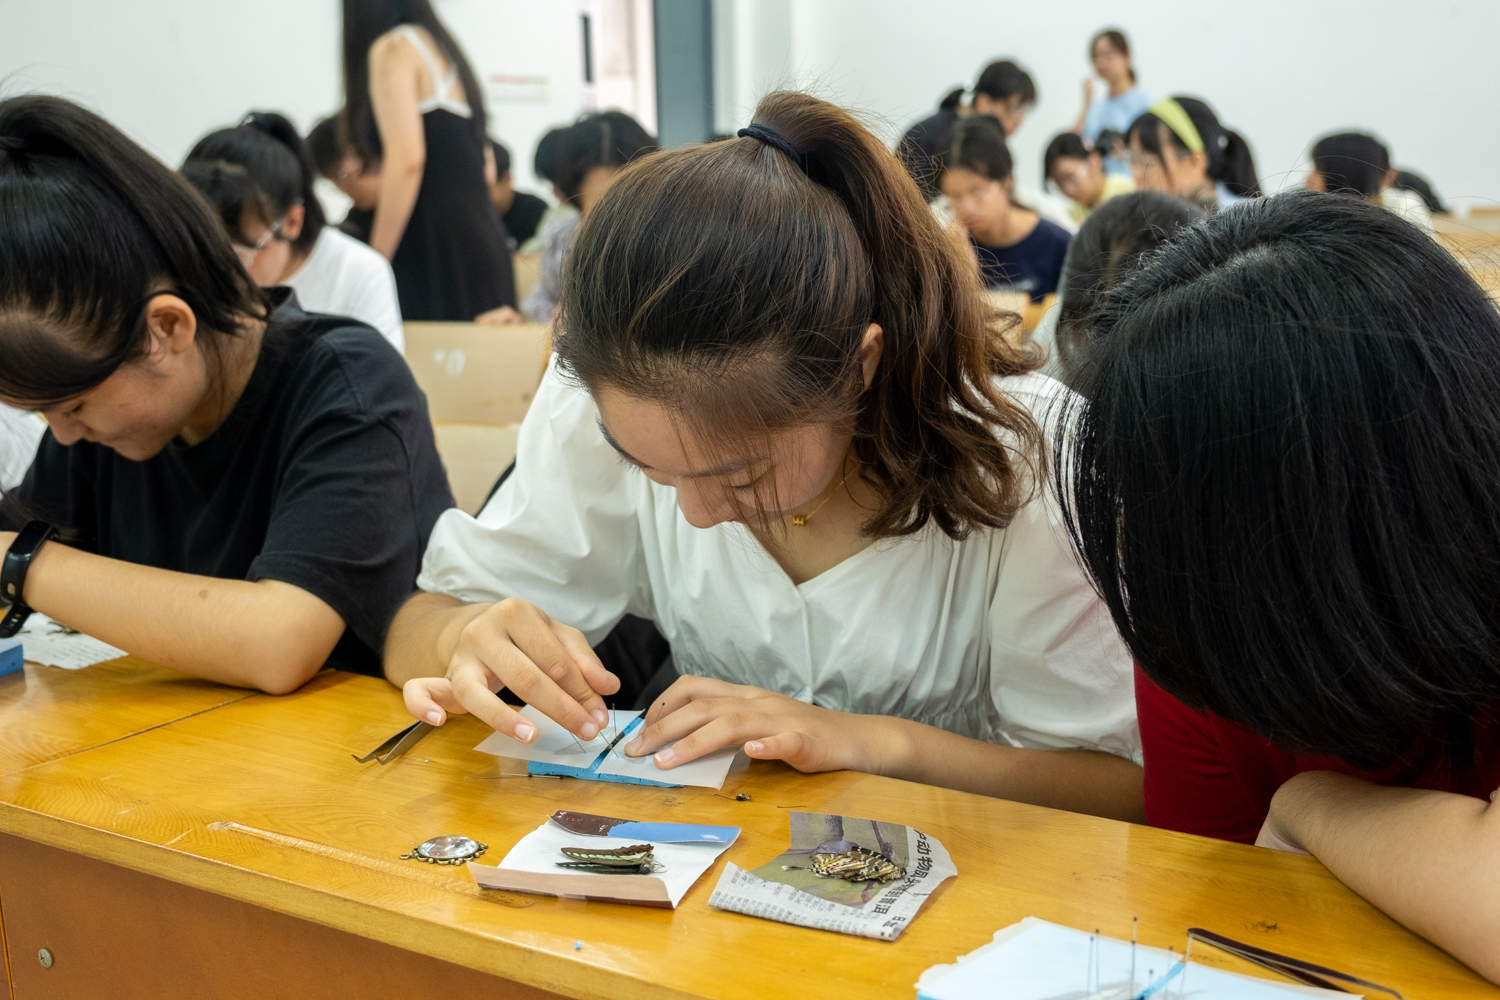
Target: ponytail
952	100
276	164
733	284
90	227
1238	170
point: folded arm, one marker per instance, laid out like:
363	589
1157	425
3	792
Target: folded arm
268	635
1429	859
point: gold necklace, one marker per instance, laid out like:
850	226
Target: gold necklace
800	520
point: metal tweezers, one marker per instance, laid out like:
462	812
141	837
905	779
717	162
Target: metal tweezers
398	744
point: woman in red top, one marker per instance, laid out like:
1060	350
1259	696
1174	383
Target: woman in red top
1286	484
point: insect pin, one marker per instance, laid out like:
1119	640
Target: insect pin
854	865
635	860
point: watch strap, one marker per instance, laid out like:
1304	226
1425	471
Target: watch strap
13	574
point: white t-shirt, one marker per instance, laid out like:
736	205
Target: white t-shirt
996	637
344	277
20	433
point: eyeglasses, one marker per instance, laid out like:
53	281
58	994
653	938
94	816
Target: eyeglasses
247	252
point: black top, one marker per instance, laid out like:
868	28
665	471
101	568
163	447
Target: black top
358	223
1033	265
920	144
526	211
324	475
453	262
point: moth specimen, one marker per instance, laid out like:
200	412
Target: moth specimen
854	865
635	860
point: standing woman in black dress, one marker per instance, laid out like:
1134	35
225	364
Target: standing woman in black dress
414	106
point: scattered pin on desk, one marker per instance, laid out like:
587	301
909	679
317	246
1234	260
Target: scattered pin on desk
577	945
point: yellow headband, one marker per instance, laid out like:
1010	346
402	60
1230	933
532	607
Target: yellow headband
1176	119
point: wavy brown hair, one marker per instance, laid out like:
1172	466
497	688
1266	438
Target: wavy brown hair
733	285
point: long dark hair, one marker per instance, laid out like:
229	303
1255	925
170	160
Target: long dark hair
1351	163
1114	240
90	227
1228	154
261	166
1286	478
734	284
601	139
364	22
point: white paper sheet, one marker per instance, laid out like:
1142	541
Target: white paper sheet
555	745
55	645
1037	960
882	910
538	853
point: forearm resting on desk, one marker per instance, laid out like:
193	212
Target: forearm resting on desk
268	635
1429	859
1085	781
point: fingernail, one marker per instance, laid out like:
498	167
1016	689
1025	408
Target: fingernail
435	717
524	732
589	731
634	746
601	717
754	746
665	756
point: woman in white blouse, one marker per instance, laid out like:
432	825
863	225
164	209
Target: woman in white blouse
259	176
778	425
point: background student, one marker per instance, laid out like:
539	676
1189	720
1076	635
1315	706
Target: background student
259	177
801	452
1016	248
359	182
1004	91
521	213
1110	244
1179	147
1360	165
588	155
1122	102
243	491
1078	171
1288	462
413	105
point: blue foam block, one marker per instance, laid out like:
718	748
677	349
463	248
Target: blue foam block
11	658
591	773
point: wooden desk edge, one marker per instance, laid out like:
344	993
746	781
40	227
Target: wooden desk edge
448	942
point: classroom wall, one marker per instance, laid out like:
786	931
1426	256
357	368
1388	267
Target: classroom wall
1282	72
167	71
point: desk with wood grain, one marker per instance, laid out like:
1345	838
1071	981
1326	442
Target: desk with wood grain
164	838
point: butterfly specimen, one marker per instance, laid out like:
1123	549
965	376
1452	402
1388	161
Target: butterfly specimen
636	860
854	865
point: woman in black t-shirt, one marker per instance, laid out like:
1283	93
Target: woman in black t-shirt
242	491
1017	250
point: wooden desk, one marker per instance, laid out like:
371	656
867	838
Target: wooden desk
318	838
46	713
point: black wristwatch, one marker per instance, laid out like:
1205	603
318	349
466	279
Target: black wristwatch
13	574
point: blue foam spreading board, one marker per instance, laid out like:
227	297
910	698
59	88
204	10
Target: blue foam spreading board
591	773
11	657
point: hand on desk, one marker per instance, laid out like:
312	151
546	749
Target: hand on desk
516	645
698	715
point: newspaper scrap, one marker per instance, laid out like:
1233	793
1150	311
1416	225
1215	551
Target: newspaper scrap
53	644
790	889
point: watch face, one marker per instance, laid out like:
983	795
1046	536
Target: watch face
449	848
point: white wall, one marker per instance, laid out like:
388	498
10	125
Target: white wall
167	71
1422	77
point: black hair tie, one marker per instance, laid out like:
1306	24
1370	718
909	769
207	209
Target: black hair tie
771	137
